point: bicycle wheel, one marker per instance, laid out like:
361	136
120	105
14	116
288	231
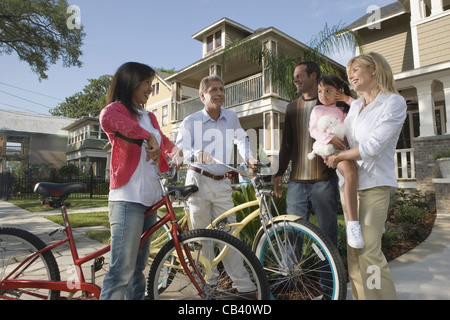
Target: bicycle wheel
239	275
301	262
15	246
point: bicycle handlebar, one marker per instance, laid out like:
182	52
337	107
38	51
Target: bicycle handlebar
245	173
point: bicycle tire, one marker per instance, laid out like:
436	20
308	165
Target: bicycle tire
180	286
156	245
315	273
15	245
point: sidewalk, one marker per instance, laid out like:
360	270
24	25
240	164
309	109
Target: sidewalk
34	222
424	272
421	274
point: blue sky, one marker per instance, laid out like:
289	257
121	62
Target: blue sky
159	33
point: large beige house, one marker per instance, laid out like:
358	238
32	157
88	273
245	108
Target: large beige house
249	90
413	35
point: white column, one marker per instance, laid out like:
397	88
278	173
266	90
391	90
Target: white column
426	109
436	7
417	10
446	84
417	14
271	126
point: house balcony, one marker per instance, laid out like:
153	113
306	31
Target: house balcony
238	93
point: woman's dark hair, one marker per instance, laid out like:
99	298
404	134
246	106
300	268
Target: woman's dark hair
127	78
340	85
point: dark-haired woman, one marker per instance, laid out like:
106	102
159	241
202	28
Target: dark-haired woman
133	178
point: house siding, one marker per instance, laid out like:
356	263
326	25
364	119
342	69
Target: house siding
434	41
393	41
232	34
163	98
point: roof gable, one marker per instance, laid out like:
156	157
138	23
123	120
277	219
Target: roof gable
33	123
386	12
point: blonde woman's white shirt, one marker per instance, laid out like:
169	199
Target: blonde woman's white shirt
375	132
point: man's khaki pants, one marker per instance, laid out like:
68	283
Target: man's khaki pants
211	200
368	269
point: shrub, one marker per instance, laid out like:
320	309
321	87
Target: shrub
389	238
409	214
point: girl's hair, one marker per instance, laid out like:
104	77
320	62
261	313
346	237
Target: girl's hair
125	81
383	75
340	85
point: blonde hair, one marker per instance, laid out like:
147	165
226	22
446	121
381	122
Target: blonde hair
205	82
384	77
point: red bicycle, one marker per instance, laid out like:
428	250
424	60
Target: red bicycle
180	270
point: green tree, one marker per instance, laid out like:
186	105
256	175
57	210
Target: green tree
326	42
88	102
37	31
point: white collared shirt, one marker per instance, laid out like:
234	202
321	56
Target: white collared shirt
375	132
199	132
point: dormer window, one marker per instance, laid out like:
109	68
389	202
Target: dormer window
214	41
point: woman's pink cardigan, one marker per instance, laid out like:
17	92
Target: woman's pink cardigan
125	156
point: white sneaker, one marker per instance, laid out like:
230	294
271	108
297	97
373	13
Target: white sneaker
354	236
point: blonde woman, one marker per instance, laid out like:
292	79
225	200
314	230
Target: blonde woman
373	126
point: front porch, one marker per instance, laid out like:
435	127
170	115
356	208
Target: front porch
263	113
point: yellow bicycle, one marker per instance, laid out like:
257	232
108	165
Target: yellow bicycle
300	261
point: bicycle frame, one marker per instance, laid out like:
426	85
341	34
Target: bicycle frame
91	288
263	211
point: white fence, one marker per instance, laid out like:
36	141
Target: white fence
406	166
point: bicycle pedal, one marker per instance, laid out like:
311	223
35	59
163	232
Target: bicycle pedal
98	263
54	231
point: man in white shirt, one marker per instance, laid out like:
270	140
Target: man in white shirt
212	132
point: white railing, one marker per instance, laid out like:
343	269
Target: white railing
236	93
406	165
242	91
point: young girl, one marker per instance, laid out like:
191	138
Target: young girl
335	96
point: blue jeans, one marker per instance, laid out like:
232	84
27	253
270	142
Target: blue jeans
322	198
125	278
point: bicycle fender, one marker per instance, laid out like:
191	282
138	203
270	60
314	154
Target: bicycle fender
288	217
285	217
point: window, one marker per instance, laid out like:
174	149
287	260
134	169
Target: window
155	112
218	38
155	88
215	69
95	128
165	115
209	43
214	41
13	148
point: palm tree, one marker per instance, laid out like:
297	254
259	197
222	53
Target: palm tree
326	42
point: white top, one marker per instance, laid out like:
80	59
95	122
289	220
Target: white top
199	132
143	186
375	131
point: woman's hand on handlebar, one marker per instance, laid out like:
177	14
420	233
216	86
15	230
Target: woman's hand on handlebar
152	149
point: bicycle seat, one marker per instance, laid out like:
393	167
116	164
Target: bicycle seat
51	189
182	192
